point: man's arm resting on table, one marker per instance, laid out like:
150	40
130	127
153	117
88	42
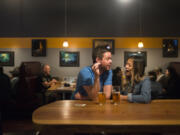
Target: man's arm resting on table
48	84
92	90
93	93
107	90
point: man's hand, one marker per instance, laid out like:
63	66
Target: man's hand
96	68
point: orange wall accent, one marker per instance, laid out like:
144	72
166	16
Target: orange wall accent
78	42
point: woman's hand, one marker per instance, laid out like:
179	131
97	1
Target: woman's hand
123	97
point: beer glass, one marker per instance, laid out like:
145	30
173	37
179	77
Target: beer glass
101	98
116	97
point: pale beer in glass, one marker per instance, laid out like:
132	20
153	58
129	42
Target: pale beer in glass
101	98
116	97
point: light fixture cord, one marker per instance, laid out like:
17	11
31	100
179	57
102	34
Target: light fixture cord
65	18
140	17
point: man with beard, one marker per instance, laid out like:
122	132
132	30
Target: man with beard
95	78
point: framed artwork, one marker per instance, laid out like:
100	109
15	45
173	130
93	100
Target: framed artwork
6	58
69	59
107	43
170	48
38	47
139	56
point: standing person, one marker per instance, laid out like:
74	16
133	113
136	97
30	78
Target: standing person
140	85
95	78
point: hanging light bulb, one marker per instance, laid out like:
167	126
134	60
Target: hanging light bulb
140	44
65	44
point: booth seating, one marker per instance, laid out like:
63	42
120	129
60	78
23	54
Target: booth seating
28	86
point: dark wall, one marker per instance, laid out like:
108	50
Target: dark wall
89	18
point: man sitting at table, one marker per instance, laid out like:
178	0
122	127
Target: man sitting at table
95	78
46	81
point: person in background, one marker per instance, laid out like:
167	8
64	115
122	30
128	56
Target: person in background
14	81
172	89
160	76
5	89
46	81
156	88
116	79
95	78
141	85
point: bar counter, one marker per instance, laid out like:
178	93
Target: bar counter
69	117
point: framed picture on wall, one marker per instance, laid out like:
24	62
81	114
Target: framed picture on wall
107	43
170	48
6	58
69	59
138	56
38	47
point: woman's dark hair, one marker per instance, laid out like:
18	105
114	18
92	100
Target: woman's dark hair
99	52
152	75
116	80
116	70
139	68
172	72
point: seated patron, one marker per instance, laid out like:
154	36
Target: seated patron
156	88
5	89
140	85
172	89
95	78
116	79
46	81
14	81
160	77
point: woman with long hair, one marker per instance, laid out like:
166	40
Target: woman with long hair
172	89
136	86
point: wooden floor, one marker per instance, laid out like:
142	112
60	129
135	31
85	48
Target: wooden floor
17	126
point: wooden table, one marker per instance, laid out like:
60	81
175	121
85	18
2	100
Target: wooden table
68	117
60	89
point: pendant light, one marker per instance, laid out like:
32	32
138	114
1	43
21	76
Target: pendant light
140	44
65	43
